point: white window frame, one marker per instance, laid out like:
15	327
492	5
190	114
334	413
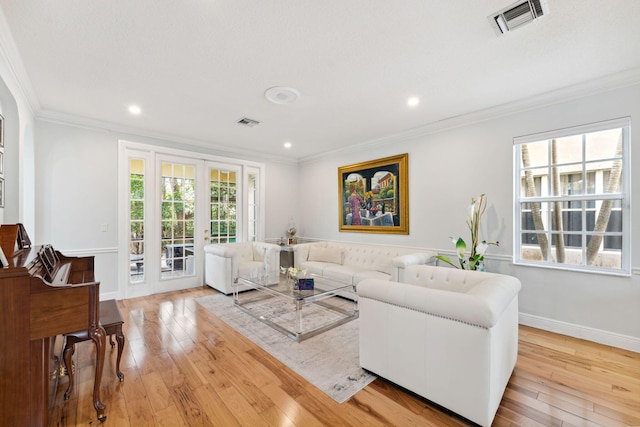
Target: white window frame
624	196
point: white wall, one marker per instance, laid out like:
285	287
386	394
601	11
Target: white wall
281	199
76	188
18	136
447	168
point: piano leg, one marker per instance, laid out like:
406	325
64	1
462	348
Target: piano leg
98	336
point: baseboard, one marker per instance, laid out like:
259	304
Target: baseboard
596	335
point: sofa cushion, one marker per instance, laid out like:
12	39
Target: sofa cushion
332	255
315	267
383	264
244	250
342	273
250	268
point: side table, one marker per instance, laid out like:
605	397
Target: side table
286	256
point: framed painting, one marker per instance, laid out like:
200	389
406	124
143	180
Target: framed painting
373	196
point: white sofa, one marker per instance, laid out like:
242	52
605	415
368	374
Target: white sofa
448	335
354	262
225	261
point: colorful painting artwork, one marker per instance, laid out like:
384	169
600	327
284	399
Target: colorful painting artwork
373	196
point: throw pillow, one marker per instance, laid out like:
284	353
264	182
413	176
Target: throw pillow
325	255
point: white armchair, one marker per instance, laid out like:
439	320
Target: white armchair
448	335
225	261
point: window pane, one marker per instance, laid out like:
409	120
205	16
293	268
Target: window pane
530	246
571	183
534	216
568	150
535	189
602	145
536	153
568	255
604	256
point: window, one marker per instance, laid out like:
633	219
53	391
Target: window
572	207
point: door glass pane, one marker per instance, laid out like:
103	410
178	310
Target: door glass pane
252	208
136	220
177	220
223	204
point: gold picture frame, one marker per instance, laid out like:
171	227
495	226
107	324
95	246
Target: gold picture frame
373	196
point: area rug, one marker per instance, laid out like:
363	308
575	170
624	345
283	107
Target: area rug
329	361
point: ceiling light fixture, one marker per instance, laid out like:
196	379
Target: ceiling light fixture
282	95
287	145
413	101
134	109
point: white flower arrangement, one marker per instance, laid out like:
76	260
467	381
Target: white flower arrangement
293	273
475	261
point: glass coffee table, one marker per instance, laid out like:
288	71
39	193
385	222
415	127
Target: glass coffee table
299	314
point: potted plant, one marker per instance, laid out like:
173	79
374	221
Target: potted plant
475	260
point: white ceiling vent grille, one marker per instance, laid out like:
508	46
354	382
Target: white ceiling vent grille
518	14
245	121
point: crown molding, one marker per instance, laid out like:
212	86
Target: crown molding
611	82
133	133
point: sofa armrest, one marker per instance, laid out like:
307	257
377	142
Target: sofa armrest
271	253
401	262
270	248
481	306
301	253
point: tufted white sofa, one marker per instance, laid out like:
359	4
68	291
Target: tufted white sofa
448	335
354	262
225	261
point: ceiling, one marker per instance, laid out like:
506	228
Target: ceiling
196	67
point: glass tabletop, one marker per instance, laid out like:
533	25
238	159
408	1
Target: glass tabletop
282	285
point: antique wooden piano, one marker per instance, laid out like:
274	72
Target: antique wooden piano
43	294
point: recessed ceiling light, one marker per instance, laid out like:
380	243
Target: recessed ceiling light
287	145
413	101
134	109
282	95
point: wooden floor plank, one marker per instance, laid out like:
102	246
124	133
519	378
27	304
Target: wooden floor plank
183	366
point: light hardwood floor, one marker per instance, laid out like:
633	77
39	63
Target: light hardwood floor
185	367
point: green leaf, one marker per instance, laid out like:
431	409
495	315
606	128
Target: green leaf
446	259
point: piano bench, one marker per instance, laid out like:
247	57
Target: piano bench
111	320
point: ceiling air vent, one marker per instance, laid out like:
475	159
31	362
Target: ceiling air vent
519	13
245	121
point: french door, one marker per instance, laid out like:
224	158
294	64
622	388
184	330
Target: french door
175	205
